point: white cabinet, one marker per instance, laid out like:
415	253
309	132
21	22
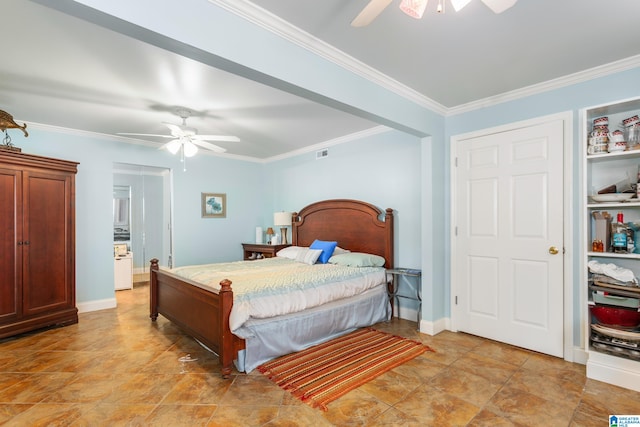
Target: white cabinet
123	271
612	357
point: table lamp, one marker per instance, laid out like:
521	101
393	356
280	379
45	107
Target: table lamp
269	234
282	219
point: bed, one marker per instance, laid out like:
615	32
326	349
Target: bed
204	313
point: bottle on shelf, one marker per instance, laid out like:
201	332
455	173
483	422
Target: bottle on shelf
619	235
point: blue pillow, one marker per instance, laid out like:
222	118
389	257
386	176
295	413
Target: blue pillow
327	249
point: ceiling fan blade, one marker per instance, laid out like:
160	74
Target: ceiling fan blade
226	138
208	146
370	12
499	6
145	134
176	130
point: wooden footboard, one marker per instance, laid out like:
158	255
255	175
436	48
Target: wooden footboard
201	313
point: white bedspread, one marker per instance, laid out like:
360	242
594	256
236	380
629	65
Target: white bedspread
278	286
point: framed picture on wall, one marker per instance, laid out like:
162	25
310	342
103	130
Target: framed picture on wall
214	205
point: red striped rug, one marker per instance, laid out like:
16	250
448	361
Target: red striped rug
323	373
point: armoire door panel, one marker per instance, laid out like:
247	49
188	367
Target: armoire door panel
10	229
45	212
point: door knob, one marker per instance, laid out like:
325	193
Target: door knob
553	250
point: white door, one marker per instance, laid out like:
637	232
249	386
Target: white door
508	251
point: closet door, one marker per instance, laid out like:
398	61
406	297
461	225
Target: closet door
10	235
47	254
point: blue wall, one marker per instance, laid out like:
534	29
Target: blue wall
384	170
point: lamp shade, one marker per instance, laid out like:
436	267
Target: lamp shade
499	6
282	218
459	4
270	231
190	148
174	146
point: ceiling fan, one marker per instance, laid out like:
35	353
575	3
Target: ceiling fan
415	8
186	139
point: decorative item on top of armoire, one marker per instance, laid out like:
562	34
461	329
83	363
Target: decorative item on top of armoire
7	122
37	211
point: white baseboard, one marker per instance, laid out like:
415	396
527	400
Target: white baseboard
103	304
614	370
406	313
580	356
435	327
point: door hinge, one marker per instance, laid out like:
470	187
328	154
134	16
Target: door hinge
455	161
456	299
455	231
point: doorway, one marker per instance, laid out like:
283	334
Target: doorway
509	208
150	211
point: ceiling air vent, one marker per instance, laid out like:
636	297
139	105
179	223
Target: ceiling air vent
321	154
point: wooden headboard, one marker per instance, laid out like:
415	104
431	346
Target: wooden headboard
355	225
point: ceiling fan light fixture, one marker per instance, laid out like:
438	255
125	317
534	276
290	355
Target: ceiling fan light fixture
174	146
459	4
413	8
499	6
190	148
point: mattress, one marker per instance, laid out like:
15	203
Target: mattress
277	286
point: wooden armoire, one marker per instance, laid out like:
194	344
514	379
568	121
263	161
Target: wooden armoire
37	242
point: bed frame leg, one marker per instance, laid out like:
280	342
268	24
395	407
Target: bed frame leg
153	285
226	338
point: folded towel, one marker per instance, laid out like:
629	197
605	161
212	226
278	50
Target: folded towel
619	273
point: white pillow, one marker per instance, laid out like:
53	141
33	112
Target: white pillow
339	251
308	256
290	252
357	259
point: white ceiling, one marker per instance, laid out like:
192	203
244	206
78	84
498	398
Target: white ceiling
62	71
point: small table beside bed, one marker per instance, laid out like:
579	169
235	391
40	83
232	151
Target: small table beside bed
330	281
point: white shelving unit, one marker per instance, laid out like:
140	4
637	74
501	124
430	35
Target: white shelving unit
613	364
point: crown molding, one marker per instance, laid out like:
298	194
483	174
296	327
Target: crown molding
115	138
270	22
558	83
330	143
276	25
126	140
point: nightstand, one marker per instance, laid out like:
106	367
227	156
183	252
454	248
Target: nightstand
393	288
263	251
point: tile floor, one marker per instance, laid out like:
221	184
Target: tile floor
117	368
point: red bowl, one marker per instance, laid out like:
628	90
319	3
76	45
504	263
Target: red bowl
612	316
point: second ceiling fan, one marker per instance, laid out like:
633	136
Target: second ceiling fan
415	8
186	139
